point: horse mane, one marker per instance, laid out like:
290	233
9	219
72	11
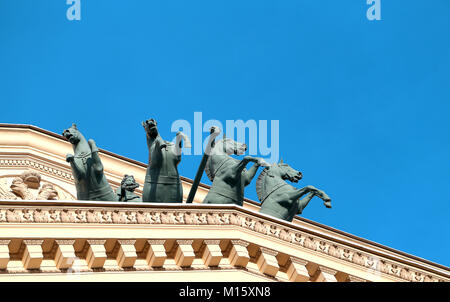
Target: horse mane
209	170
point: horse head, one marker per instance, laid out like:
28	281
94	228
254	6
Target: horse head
288	173
230	146
280	199
73	135
150	127
272	176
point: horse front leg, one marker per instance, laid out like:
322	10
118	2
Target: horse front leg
297	194
302	203
237	170
76	171
311	191
250	174
321	194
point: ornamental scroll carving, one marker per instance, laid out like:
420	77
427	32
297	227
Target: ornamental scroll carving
29	186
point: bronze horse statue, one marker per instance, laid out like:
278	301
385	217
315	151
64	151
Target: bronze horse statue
87	168
228	175
162	181
280	199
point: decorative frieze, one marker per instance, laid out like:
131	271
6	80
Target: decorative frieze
237	255
27	163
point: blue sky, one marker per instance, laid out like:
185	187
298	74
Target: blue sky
363	105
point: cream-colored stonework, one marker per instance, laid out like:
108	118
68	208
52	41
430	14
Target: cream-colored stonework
133	237
19	187
67	240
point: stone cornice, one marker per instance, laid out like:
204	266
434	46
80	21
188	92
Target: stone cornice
357	254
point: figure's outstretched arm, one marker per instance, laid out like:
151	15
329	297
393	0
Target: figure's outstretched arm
178	143
97	163
243	163
160	143
250	173
237	170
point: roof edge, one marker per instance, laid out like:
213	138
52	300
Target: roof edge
186	179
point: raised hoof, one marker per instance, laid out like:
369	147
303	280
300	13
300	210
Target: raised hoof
69	158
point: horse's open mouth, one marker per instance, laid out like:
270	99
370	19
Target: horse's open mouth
69	136
296	178
151	123
240	149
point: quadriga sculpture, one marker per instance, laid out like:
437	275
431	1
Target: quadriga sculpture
87	168
162	181
280	199
228	174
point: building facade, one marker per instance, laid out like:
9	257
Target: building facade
47	235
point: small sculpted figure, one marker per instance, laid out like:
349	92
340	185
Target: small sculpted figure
126	190
31	179
228	174
47	192
87	168
28	187
280	199
162	181
20	188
